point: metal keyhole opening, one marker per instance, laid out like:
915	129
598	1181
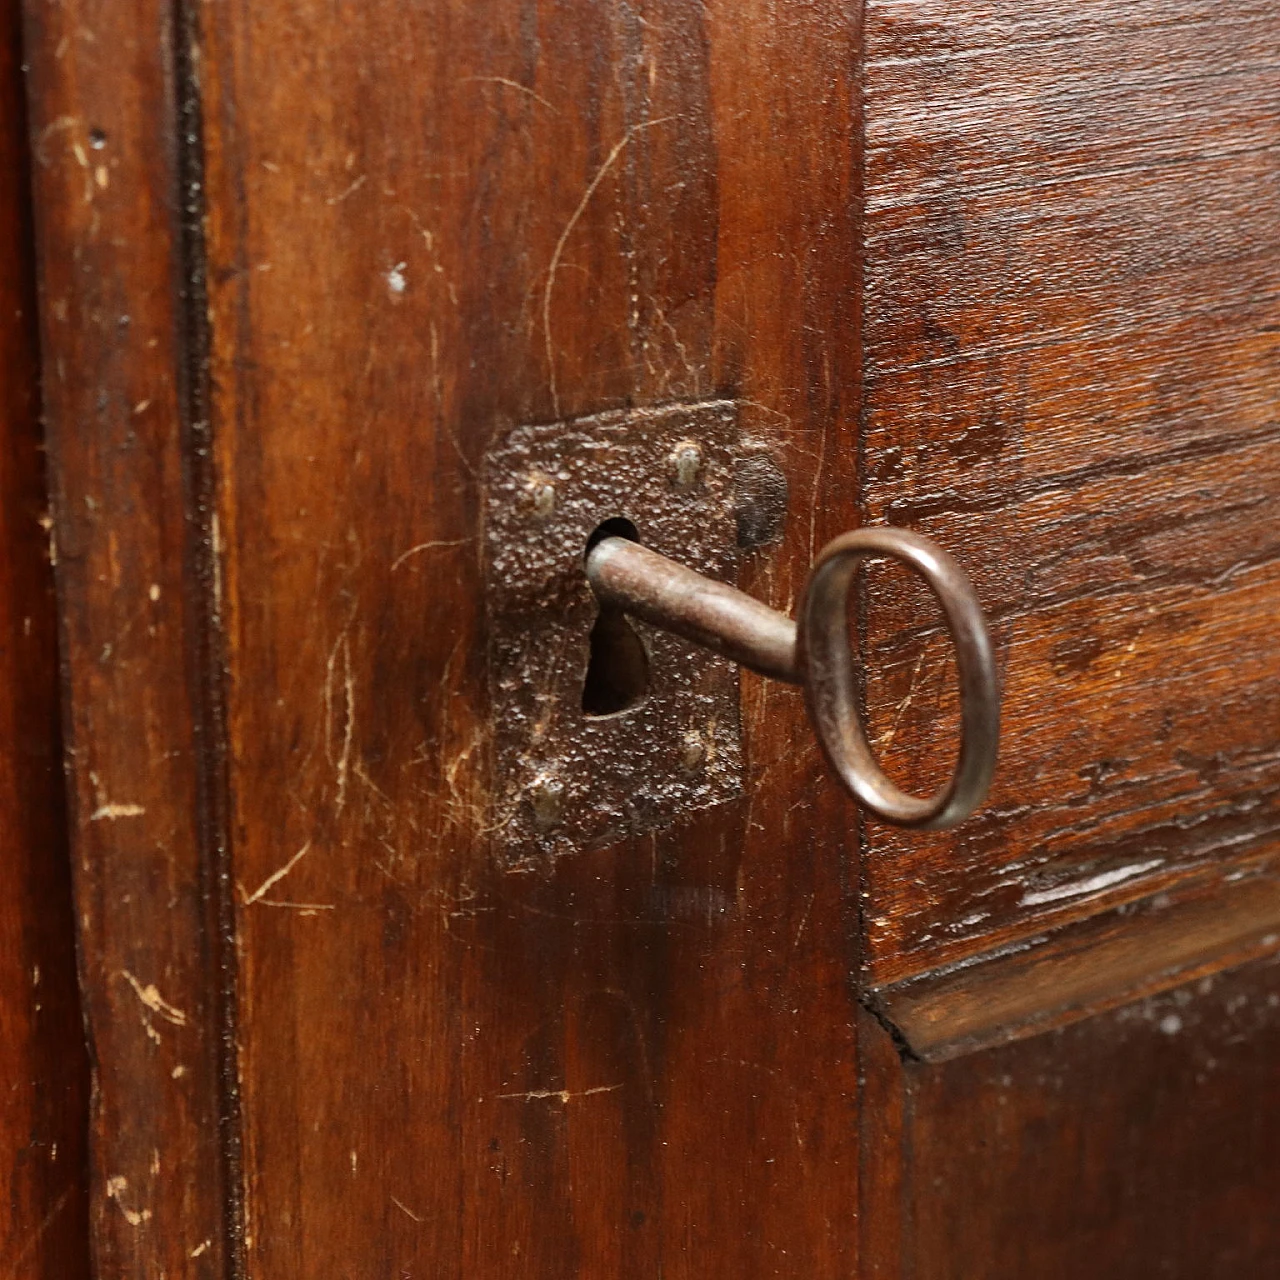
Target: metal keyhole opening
617	676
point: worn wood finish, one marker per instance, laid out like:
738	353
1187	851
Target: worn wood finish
1072	326
1222	916
43	1066
115	282
1140	1143
426	227
1072	241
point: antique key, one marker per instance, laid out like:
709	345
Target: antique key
814	651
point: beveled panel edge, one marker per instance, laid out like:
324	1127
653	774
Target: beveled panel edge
1219	918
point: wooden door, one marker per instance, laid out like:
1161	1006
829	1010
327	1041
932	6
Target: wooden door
1006	275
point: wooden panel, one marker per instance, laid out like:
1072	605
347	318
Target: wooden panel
1072	378
1141	1143
43	1066
430	224
121	371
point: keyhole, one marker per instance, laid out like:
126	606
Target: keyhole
618	667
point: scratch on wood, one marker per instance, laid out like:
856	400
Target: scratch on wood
56	126
110	812
39	1233
363	774
351	190
804	920
116	1187
886	738
463	809
560	1095
152	999
554	265
427	546
817	484
304	908
51	533
275	877
342	765
404	1208
511	84
1077	888
693	372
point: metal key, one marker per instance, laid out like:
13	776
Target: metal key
815	651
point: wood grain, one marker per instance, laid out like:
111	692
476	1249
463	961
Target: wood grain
426	228
1217	918
1139	1143
121	364
43	1065
1072	337
333	1030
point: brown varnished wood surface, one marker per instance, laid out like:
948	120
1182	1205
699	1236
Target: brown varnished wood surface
1072	301
427	226
1072	323
43	1067
115	287
1140	1143
1219	917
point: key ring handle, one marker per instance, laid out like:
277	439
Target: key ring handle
826	664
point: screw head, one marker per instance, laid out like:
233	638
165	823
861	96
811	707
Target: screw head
542	494
684	465
693	751
546	799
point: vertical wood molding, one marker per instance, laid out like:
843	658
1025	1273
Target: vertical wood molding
44	1071
122	406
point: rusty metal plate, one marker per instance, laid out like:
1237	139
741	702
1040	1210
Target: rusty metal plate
565	780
